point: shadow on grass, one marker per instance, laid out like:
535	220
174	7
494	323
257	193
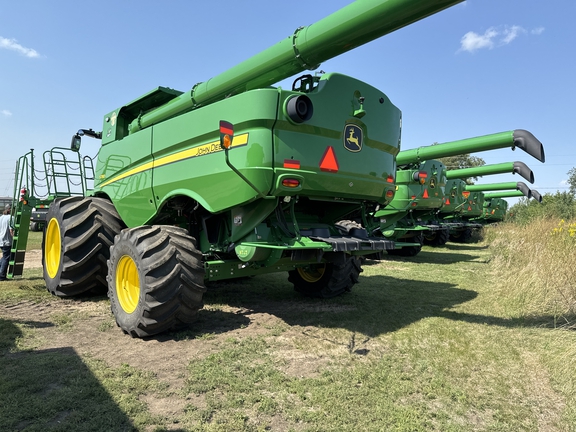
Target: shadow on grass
464	247
378	305
432	255
51	390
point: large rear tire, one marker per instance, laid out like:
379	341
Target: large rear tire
76	244
326	280
437	237
464	236
409	251
155	279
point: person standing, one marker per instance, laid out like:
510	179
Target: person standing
6	233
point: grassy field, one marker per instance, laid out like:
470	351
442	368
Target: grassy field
450	340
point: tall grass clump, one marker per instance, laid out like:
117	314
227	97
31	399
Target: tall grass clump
535	269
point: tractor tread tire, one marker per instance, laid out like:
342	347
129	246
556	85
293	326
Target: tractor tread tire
409	251
336	280
437	238
464	236
171	276
87	228
344	226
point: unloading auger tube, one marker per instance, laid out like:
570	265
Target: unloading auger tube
520	186
518	138
502	168
350	27
513	193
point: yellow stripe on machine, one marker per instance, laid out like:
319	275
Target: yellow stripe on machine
201	150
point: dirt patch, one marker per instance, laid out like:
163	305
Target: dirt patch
91	331
33	259
88	327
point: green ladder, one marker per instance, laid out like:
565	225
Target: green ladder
21	224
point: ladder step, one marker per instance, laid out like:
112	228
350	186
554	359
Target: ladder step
16	266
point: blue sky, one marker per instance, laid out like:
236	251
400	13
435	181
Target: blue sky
480	67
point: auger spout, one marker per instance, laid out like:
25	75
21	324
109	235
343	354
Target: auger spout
520	186
350	27
519	138
514	193
502	168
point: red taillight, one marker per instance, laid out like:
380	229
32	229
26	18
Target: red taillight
390	179
389	194
291	183
291	163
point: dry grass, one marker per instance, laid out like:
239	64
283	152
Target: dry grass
534	265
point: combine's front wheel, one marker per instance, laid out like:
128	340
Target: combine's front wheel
76	244
155	279
326	280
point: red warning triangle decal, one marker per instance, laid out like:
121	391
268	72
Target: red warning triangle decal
329	162
469	208
425	193
447	201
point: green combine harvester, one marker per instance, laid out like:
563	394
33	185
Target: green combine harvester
422	200
457	203
496	207
471	216
236	178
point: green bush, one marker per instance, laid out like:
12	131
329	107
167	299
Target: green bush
561	205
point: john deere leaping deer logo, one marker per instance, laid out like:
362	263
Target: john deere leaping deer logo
353	138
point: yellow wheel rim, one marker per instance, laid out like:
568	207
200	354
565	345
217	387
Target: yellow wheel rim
127	284
312	274
52	250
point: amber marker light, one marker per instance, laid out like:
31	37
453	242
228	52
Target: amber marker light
291	183
226	134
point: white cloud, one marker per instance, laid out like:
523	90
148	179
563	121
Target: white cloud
6	113
472	41
563	183
13	45
493	37
511	33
